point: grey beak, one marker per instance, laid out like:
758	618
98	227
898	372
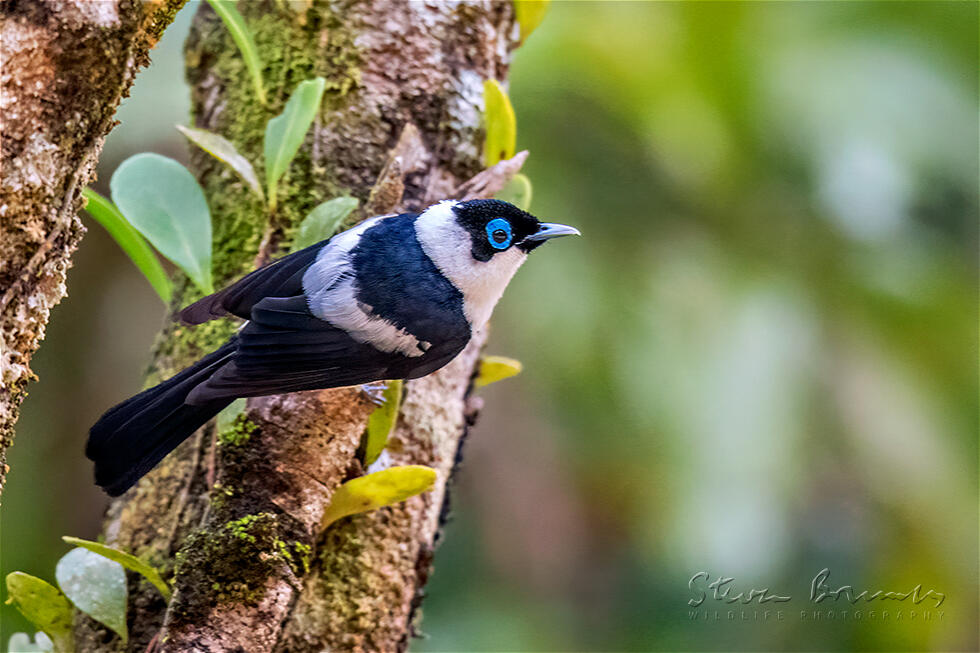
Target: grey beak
549	230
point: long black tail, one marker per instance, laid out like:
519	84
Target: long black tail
132	437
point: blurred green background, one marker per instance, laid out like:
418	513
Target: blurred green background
759	362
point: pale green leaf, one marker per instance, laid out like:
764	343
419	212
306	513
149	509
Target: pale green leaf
501	125
382	421
223	150
323	221
285	133
127	560
517	192
165	203
242	37
21	643
44	606
43	642
529	15
131	242
496	368
377	490
97	587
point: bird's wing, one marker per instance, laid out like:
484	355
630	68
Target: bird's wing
281	278
285	348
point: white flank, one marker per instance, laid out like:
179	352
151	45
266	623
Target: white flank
450	246
329	285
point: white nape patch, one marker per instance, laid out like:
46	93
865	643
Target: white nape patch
450	247
329	285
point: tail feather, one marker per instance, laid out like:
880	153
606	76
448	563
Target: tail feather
132	437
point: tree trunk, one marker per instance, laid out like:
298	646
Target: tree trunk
66	66
237	513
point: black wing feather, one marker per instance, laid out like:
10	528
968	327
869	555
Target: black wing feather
281	278
285	348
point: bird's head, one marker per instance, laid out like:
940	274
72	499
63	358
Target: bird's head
479	244
495	227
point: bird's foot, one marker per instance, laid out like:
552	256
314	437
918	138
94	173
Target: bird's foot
375	392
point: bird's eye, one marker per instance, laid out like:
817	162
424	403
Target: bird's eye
499	233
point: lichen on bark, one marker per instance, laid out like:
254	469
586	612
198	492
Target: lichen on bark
66	66
242	516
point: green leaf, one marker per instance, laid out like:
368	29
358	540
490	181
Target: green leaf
97	587
131	242
222	149
44	606
21	643
529	15
165	203
377	490
229	414
285	133
517	192
496	368
500	123
127	560
323	221
242	37
382	421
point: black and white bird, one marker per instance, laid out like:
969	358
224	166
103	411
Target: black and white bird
396	297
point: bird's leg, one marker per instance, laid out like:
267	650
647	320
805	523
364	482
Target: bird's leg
375	392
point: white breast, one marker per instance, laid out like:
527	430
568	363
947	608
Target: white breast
329	285
450	246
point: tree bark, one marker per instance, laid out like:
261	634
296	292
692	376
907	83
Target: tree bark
66	66
236	513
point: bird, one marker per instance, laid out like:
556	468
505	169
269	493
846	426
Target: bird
394	297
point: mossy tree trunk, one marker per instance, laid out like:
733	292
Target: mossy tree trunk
66	66
235	514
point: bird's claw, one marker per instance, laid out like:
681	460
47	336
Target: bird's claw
375	392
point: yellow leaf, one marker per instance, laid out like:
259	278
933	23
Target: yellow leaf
377	490
500	122
382	421
529	13
496	368
44	605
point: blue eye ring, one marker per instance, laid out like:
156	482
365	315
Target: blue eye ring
495	225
